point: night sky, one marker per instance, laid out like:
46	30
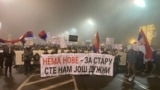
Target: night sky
118	19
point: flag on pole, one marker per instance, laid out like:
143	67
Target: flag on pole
143	41
96	43
42	35
29	34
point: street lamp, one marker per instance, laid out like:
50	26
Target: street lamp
89	25
73	31
132	41
90	21
140	3
148	29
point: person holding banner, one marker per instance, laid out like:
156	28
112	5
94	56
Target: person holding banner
105	51
131	61
54	51
62	50
69	50
45	51
116	61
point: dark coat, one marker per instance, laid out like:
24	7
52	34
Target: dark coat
9	57
132	56
28	54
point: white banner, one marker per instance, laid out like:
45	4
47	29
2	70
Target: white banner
63	43
76	64
109	41
59	40
117	46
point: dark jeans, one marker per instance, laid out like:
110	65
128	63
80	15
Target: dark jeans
27	66
6	69
1	63
116	68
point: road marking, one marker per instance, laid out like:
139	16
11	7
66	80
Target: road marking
41	80
137	82
30	83
23	84
36	75
141	85
57	85
75	84
27	83
123	81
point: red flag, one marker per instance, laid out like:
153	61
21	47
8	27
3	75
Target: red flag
96	43
143	40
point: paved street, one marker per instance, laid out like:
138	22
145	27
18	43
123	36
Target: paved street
11	82
19	81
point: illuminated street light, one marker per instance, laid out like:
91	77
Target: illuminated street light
90	21
89	24
73	31
132	41
66	33
140	3
148	29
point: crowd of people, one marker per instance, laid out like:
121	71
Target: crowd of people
133	60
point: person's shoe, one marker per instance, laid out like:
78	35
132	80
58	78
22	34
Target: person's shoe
133	78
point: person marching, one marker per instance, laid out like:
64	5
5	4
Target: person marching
28	54
131	60
9	57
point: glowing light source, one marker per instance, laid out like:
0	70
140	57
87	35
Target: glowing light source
66	32
132	41
73	31
90	21
140	3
